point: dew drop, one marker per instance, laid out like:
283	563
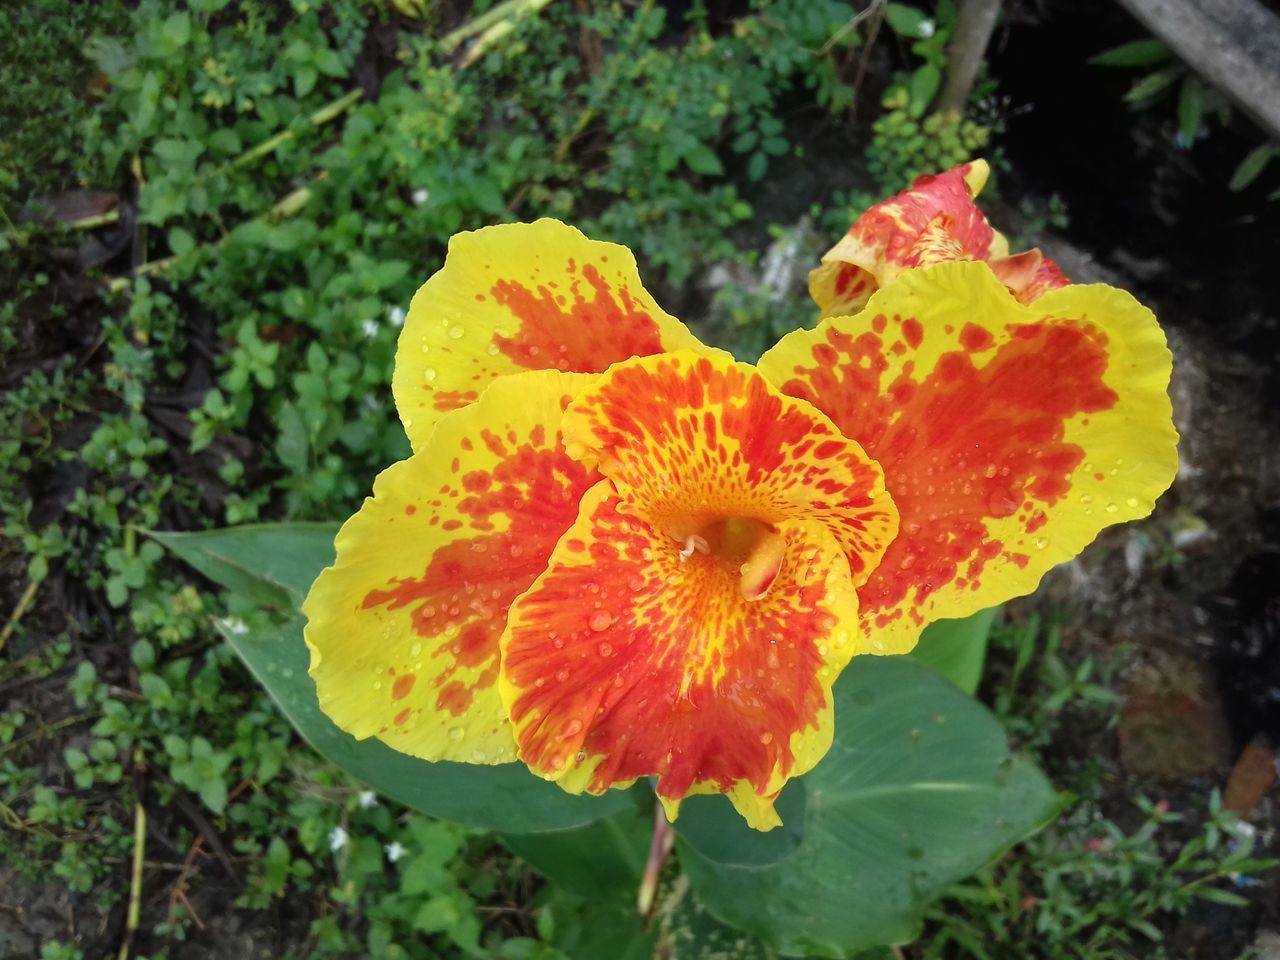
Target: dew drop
1041	542
456	332
1112	508
429	374
377	684
562	675
1131	502
766	738
558	643
1086	498
415	650
477	756
606	649
456	733
600	620
492	350
574	727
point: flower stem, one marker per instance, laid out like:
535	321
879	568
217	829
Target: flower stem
664	838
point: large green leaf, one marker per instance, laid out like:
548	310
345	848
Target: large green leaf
957	649
603	859
277	563
918	791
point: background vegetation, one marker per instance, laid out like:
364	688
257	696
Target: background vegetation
214	214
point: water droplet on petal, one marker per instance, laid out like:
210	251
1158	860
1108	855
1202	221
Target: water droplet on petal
766	738
456	332
415	650
574	727
456	733
429	374
600	620
1041	542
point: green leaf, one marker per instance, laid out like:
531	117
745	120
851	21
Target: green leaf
1224	897
292	445
957	649
1252	166
917	792
177	29
711	825
281	561
1152	85
602	859
1190	111
906	21
702	159
181	242
1138	53
924	85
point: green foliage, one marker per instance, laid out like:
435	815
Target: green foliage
1086	887
910	749
1198	106
905	143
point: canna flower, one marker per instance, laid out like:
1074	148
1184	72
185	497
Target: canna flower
616	553
935	221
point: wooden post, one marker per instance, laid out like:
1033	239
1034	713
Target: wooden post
1233	44
975	23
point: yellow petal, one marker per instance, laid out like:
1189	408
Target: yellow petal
1009	434
523	296
404	627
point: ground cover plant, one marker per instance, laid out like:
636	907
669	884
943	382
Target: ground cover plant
206	339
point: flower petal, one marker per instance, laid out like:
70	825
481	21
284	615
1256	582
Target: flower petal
522	296
934	221
1010	435
404	627
627	659
690	441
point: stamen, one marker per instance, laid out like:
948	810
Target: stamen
694	543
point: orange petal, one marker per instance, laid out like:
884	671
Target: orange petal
522	296
1009	434
404	627
934	221
628	659
694	444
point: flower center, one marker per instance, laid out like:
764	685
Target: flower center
749	548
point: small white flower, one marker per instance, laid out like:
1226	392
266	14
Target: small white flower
420	196
369	328
368	799
928	28
337	839
395	851
395	316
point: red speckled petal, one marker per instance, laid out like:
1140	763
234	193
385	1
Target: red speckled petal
935	221
523	296
627	659
690	441
404	627
1009	434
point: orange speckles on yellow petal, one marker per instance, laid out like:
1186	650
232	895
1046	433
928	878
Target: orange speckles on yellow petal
404	628
712	456
522	296
934	221
1009	435
627	659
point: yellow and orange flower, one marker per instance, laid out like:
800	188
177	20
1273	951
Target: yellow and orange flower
934	221
616	553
